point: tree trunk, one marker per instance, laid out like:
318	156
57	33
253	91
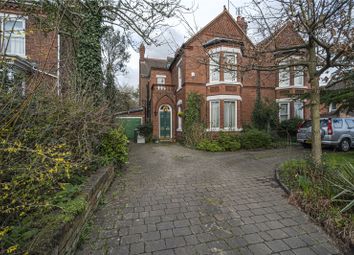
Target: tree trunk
315	105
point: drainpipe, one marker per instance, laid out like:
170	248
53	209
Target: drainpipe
58	66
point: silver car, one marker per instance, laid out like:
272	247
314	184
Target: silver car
338	132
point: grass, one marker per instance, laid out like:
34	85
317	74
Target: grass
339	158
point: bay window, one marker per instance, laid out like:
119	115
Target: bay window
284	111
230	73
299	76
284	75
299	109
214	67
229	115
13	35
214	115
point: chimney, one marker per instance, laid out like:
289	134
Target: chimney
242	23
142	52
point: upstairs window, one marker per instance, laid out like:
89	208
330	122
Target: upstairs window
284	75
214	67
299	76
13	35
179	77
230	73
160	80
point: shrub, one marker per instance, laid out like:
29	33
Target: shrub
343	182
229	142
265	115
146	131
114	148
209	145
254	139
291	125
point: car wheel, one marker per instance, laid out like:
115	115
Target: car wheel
345	145
306	145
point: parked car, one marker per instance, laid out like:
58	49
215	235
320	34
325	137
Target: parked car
337	132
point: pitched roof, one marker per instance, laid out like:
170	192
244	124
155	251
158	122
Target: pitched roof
149	63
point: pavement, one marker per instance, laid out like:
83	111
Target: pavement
174	200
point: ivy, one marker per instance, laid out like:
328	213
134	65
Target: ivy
194	130
88	53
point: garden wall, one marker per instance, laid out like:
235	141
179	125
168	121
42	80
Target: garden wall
64	240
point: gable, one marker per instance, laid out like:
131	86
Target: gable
285	37
223	26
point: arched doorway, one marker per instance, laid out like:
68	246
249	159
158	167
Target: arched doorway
165	122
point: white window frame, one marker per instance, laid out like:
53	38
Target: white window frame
179	73
214	62
12	34
331	108
298	76
288	108
213	128
301	116
235	104
284	75
159	76
230	71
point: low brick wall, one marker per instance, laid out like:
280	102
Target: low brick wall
66	239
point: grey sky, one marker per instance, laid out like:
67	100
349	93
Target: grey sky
205	11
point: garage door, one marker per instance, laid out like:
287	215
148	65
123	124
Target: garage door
129	124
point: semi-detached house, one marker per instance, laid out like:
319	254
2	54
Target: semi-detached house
216	63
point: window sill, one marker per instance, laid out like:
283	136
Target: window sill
224	129
179	130
290	87
224	82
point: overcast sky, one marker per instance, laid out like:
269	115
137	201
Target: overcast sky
205	11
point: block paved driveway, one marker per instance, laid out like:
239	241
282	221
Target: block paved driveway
173	200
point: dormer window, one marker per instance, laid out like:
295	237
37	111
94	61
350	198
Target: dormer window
12	35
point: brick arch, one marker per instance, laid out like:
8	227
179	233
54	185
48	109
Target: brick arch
166	99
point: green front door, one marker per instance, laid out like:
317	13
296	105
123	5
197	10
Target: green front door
165	124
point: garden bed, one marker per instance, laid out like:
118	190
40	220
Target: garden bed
315	191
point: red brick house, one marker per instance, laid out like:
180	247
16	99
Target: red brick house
202	65
26	44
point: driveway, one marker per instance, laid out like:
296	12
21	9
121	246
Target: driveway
174	200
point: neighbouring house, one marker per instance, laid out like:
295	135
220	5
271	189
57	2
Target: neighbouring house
28	47
216	63
335	109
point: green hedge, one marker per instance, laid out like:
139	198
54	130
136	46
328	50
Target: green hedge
249	139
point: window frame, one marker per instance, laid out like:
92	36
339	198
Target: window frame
214	62
5	37
302	109
212	127
299	69
288	111
225	70
234	116
284	83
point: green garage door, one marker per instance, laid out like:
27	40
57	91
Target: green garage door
129	124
